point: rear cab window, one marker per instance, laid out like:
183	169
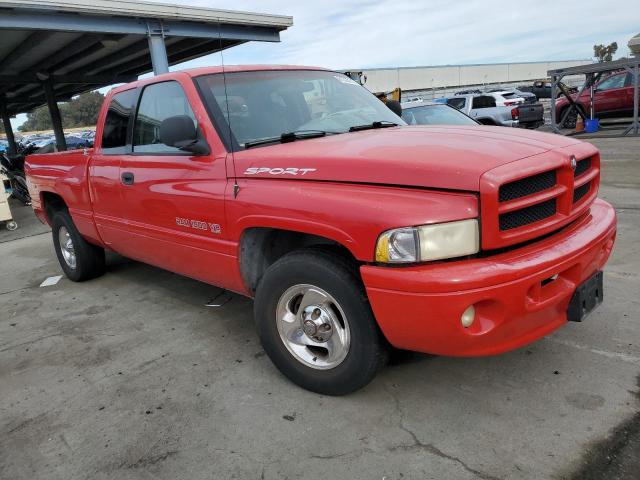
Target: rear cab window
114	133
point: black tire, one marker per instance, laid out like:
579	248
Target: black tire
367	352
571	120
89	258
572	117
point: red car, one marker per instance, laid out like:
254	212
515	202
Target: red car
352	231
613	97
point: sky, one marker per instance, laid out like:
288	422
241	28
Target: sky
391	33
359	34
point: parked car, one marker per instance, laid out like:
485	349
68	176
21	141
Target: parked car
469	91
351	230
515	93
430	113
613	97
506	98
542	89
74	142
483	109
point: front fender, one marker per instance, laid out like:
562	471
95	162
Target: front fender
353	215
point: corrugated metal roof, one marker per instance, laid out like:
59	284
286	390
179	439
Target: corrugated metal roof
80	46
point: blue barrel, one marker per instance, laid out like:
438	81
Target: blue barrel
591	125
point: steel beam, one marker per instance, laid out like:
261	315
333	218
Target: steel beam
555	80
56	120
635	123
158	52
59	79
33	40
178	52
66	22
8	129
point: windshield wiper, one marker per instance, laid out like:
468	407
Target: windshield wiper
287	137
371	126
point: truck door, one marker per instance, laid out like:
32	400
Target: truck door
173	201
104	166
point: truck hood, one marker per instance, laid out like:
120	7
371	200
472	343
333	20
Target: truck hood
442	157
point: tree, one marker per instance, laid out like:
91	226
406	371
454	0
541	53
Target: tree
81	111
605	53
84	109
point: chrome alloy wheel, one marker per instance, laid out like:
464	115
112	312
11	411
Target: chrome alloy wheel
313	327
66	247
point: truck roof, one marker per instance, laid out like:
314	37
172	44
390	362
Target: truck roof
196	72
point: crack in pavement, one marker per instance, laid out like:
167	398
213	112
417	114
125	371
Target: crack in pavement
429	447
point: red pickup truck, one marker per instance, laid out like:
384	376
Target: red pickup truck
352	231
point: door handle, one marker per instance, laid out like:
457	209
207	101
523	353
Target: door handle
127	178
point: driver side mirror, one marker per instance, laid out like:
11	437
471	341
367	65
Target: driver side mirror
180	132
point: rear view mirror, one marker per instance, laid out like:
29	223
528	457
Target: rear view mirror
180	132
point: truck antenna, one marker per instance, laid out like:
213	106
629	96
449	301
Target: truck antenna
236	187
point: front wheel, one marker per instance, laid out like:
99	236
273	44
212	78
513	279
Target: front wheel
315	323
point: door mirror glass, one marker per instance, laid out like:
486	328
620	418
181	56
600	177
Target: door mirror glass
178	130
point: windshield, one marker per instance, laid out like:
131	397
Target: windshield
266	104
435	115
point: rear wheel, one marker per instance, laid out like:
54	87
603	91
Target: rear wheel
316	325
79	259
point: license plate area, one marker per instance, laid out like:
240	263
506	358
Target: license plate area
586	298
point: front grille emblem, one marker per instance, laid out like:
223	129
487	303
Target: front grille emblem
574	163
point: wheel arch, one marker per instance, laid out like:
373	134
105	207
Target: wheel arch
51	203
261	246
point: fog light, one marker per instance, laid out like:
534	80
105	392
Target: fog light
468	316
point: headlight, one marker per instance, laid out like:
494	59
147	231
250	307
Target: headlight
429	242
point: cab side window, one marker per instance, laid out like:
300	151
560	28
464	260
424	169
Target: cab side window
615	81
159	101
114	133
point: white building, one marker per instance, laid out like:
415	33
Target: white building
436	79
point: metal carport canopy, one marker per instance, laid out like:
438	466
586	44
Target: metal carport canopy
65	47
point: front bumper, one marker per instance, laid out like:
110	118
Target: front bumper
516	294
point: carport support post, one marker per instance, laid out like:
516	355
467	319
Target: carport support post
8	130
636	99
54	112
634	128
158	53
554	93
